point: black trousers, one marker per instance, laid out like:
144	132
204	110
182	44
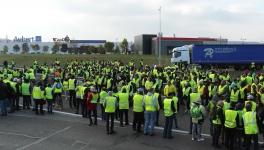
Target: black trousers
90	116
248	138
16	100
39	104
110	126
72	100
102	111
79	102
168	127
50	107
138	121
121	113
216	134
26	101
230	138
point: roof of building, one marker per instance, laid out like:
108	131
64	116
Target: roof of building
88	41
187	39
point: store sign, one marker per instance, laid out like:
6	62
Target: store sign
66	39
28	40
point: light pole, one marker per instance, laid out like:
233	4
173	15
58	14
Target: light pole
159	36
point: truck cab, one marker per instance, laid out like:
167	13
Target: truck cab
181	54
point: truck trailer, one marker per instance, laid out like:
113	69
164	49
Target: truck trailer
235	55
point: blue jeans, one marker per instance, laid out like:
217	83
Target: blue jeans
3	105
149	122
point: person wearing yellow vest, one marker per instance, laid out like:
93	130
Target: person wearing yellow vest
26	94
65	84
231	121
250	100
186	95
123	104
197	114
49	98
222	89
150	104
72	87
57	86
92	100
169	88
194	97
110	105
102	96
148	84
169	110
217	119
79	95
138	110
251	121
158	97
235	94
37	95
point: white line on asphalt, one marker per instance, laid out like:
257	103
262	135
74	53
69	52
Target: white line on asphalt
18	134
44	138
157	128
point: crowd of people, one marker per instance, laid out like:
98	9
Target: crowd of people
233	104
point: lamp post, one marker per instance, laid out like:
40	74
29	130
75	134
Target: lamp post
159	37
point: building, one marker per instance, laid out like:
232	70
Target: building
143	43
149	43
35	44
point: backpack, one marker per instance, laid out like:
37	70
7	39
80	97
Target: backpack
196	112
58	85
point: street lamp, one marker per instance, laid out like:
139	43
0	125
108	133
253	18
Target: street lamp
159	36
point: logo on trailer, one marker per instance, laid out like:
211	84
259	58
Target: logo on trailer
209	52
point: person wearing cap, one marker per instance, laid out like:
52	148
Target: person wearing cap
150	104
169	110
231	122
123	104
251	121
110	105
138	110
197	113
92	100
217	118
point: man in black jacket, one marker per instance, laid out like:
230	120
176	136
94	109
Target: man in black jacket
3	97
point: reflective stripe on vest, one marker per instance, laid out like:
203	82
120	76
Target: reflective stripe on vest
234	96
123	100
250	123
137	103
110	104
167	107
230	118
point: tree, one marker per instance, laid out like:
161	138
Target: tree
109	46
64	48
16	48
55	48
124	46
45	48
25	48
35	47
5	49
117	49
101	49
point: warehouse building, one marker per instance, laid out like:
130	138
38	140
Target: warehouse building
149	43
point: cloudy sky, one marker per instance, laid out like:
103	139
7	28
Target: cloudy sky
116	19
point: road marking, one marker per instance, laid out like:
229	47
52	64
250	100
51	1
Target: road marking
44	138
18	134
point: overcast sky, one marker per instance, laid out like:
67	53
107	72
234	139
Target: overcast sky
116	19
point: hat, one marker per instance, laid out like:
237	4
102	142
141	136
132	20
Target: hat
92	89
140	90
250	97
